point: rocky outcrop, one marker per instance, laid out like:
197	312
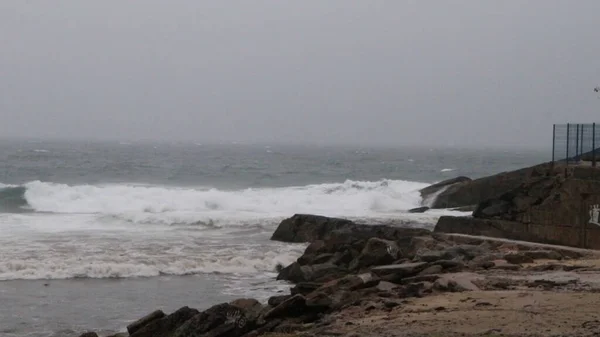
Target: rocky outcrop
310	228
366	268
430	192
544	208
462	192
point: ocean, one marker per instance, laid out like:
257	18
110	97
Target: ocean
95	235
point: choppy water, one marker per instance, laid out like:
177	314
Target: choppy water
118	230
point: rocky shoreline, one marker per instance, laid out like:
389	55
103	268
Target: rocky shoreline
378	280
386	280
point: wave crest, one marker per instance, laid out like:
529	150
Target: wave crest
138	203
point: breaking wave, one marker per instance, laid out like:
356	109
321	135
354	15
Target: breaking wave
172	205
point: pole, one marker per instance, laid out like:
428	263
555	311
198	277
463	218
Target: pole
553	141
593	151
568	129
577	144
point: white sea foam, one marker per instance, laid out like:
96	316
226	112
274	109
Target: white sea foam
166	205
103	259
447	170
126	230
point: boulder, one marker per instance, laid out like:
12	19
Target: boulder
466	192
543	254
517	258
422	209
308	228
293	306
456	282
431	270
277	300
305	288
167	325
396	272
376	252
318	272
350	282
385	286
140	323
219	320
89	334
430	191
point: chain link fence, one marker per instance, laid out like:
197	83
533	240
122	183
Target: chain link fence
576	144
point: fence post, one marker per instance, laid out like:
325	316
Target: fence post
568	129
594	145
577	143
553	142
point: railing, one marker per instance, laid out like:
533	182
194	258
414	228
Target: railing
576	143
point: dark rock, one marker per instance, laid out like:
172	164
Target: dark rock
491	208
428	193
233	319
415	289
277	300
420	278
350	282
455	283
315	247
419	244
517	258
268	327
326	272
450	265
294	306
543	254
344	298
431	270
473	192
222	320
465	252
406	269
386	286
318	300
376	252
294	272
308	228
251	307
135	326
344	258
419	210
304	288
319	272
469	208
167	325
484	265
431	256
390	304
89	334
502	265
396	273
322	258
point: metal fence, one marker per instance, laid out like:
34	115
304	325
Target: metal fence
576	143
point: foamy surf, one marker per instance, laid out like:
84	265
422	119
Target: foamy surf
127	230
106	260
351	198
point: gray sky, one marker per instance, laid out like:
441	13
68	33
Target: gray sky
345	71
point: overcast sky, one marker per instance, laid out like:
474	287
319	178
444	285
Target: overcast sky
346	71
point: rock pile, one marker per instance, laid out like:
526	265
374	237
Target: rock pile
348	265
